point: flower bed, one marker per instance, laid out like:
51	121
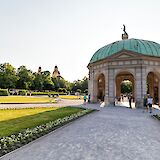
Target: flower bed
10	143
156	116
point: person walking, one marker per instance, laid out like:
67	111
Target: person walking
150	102
145	104
89	98
85	99
130	101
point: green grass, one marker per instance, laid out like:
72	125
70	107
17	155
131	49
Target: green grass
71	97
25	99
13	122
8	114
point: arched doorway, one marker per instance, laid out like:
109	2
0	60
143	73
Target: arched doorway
153	86
101	87
124	86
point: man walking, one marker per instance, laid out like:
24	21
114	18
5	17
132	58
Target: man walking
150	102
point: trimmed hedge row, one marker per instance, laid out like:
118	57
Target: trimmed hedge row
156	116
48	93
3	92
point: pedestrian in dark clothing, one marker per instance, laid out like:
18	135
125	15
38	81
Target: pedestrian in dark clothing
130	101
85	98
150	102
89	98
145	104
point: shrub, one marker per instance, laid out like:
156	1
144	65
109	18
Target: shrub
43	93
86	91
3	92
48	93
78	90
62	93
22	92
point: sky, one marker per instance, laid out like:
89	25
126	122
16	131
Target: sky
67	33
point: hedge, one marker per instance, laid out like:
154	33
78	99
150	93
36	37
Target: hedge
3	92
22	92
48	93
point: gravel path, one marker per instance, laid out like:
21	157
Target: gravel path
113	133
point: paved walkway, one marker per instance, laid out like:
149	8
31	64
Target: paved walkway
113	133
61	103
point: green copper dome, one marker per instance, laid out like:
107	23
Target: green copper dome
144	47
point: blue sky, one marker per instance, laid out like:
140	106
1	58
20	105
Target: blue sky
67	32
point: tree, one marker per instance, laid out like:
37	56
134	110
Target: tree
80	84
61	83
8	76
84	84
47	81
126	87
37	83
25	78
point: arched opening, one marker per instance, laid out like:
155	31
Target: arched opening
101	87
153	86
124	88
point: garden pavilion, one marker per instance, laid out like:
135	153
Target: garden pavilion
132	59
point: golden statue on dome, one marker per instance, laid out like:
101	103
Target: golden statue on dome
125	35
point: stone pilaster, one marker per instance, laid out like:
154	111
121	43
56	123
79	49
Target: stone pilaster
111	87
106	87
140	86
91	85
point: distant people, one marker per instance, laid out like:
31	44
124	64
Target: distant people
130	101
150	102
85	99
115	101
145	103
30	93
122	98
89	98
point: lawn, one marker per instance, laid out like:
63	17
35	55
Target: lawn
7	114
15	121
72	97
25	99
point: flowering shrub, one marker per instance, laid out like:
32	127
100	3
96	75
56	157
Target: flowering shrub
12	142
157	116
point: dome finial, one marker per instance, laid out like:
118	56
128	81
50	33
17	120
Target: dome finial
125	35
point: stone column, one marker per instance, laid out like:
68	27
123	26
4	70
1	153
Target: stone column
91	86
150	79
133	88
94	96
106	87
140	85
118	86
151	85
111	86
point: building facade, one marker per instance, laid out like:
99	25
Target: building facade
135	60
